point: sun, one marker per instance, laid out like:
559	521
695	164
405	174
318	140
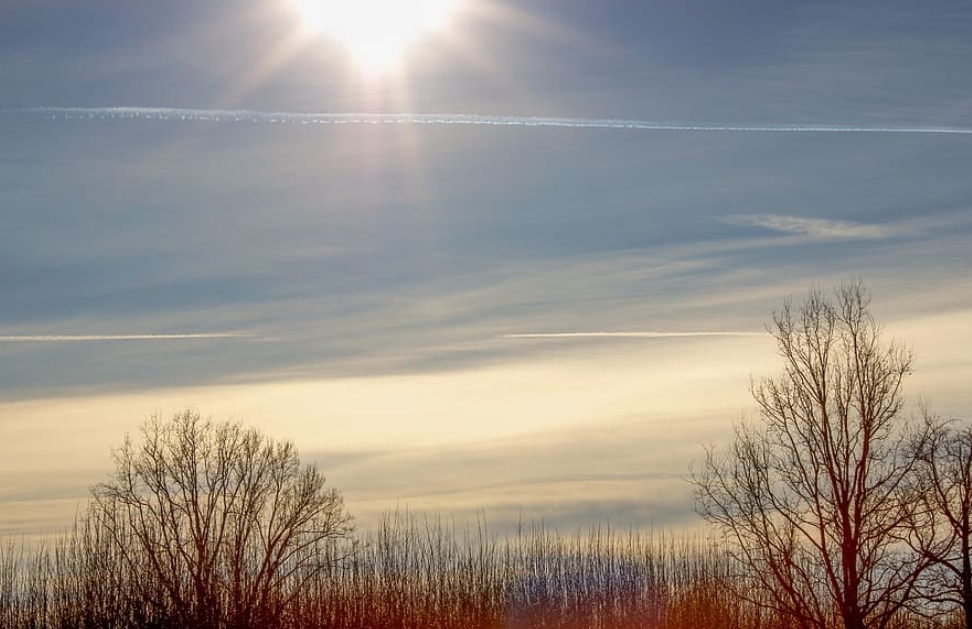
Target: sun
376	33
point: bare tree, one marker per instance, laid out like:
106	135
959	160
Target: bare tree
219	523
809	497
942	514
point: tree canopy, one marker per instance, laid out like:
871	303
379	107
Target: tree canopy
214	518
810	495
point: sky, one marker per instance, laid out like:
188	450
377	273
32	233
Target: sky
525	270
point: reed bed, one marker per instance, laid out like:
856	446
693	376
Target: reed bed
410	573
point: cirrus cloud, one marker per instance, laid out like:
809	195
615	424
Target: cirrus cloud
821	228
75	338
629	334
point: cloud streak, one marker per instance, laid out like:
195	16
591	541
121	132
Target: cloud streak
815	227
626	335
75	338
169	114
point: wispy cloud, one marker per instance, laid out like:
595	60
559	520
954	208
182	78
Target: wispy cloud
816	227
72	338
632	335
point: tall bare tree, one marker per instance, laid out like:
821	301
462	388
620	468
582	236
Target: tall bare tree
942	511
808	497
218	521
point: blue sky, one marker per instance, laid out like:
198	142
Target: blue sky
360	288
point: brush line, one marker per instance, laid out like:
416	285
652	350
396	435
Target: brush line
170	114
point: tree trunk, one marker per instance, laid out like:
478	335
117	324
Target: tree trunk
966	578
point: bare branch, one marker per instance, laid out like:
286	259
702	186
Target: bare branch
813	500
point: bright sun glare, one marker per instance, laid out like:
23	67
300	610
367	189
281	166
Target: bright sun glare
375	32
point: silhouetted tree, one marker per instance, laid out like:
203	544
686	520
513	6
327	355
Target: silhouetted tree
809	497
219	523
942	514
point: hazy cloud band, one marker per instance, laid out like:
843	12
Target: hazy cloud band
167	114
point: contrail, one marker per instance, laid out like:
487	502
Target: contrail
170	114
634	335
69	338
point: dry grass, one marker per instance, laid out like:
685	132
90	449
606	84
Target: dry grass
412	573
